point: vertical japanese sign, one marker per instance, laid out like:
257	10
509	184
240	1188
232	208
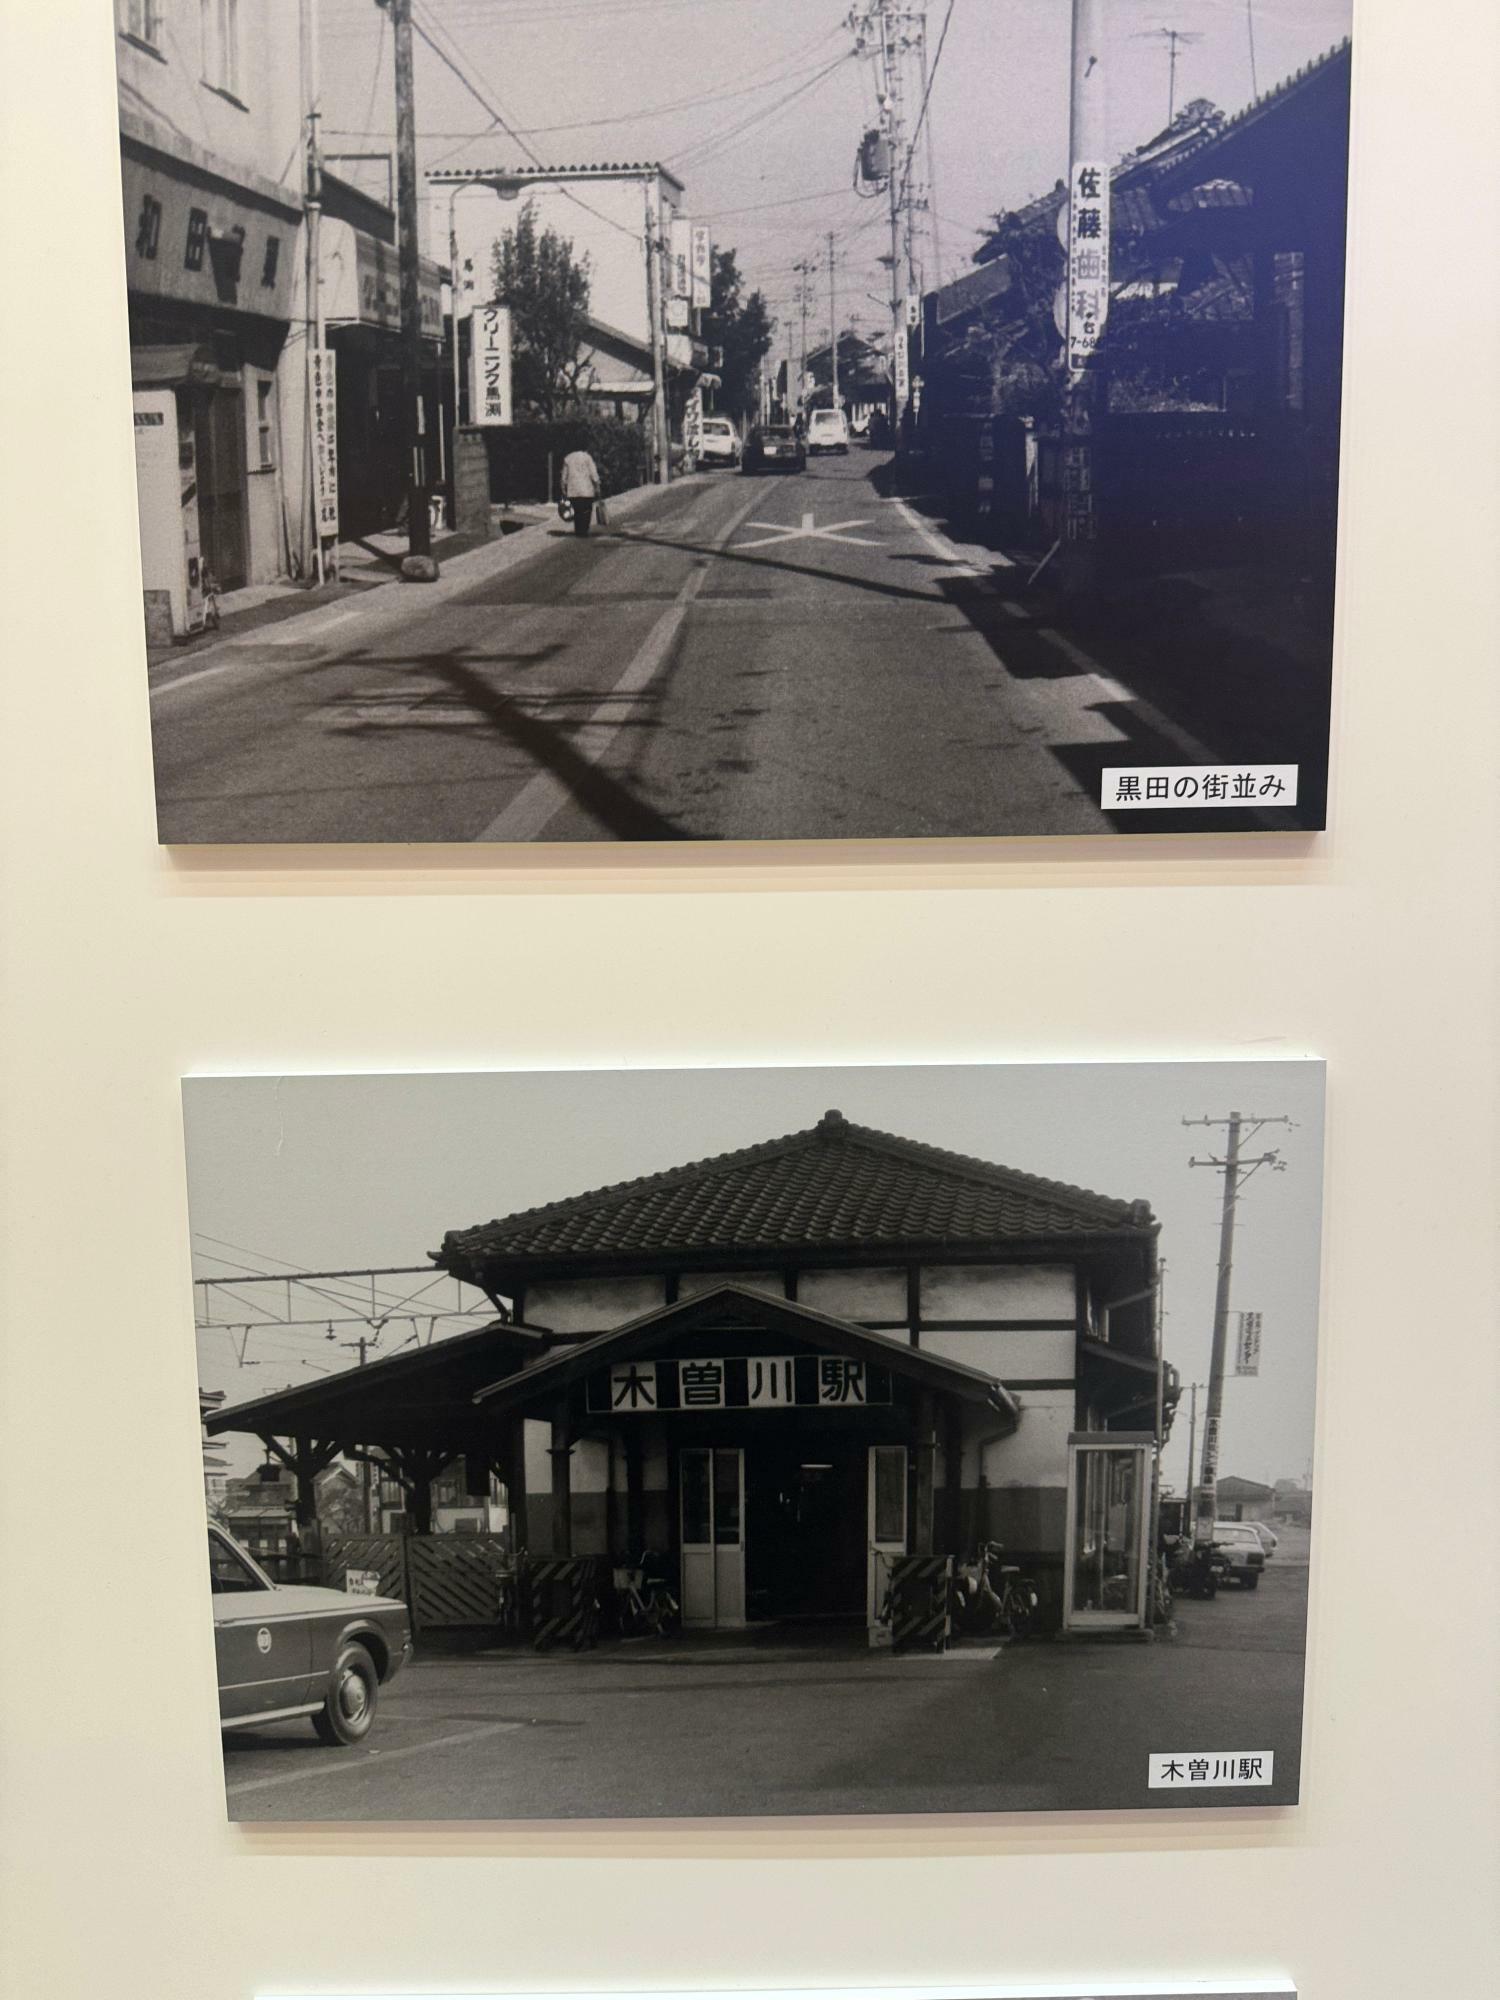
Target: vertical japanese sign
692	422
325	450
903	368
1247	1345
680	259
703	264
490	399
1088	261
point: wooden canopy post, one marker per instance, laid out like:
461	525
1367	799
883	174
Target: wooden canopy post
562	1481
306	1461
924	1452
514	1475
953	1464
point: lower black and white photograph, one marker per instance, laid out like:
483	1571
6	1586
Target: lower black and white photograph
787	1441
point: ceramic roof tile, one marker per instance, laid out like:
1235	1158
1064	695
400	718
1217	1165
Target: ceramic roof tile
835	1185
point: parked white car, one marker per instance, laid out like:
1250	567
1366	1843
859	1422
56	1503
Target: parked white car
719	443
1240	1547
827	430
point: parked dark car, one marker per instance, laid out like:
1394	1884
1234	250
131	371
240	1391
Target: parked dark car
299	1649
774	448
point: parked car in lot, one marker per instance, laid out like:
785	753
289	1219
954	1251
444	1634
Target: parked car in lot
298	1649
828	430
719	442
774	448
1268	1540
1240	1547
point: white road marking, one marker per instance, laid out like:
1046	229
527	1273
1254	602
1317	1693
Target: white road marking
336	1766
1013	610
187	680
778	532
941	546
543	796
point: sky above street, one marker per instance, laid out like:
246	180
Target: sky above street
334	1173
758	106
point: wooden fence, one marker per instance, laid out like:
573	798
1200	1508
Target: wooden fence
447	1581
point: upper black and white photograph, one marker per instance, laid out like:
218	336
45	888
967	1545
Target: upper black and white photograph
704	1444
598	421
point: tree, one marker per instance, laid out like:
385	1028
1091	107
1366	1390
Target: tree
547	290
741	328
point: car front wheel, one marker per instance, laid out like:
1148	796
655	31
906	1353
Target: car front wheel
349	1706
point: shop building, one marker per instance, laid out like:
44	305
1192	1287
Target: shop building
361	293
211	146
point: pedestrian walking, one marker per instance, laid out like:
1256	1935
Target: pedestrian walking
582	486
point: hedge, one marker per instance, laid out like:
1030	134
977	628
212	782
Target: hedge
518	454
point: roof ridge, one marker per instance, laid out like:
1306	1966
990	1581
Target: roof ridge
832	1125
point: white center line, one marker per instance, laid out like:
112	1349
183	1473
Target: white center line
338	1767
545	795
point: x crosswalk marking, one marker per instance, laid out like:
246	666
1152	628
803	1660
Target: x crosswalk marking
776	531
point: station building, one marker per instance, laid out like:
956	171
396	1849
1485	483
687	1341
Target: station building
786	1367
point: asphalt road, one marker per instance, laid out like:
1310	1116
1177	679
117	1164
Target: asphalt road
728	1726
738	657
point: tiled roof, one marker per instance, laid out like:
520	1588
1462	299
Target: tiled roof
835	1186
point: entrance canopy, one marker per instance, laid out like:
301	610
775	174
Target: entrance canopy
725	1311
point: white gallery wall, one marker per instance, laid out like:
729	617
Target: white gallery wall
1373	946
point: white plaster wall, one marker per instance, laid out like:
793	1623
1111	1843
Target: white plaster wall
1044	1354
692	1283
537	1438
591	1305
857	1295
590	1466
1036	1453
997	1291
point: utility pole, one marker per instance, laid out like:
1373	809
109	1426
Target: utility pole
1188	1516
372	1527
932	214
833	325
1235	1168
313	205
804	271
661	443
419	566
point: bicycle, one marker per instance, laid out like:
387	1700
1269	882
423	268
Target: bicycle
989	1593
644	1601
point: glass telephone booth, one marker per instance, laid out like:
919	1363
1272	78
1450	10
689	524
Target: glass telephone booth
1106	1578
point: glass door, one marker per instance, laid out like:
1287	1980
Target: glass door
887	1509
1108	1519
713	1536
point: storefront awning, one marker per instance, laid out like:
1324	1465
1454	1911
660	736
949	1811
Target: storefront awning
727	1306
177	365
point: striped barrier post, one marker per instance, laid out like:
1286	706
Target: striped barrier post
919	1603
564	1599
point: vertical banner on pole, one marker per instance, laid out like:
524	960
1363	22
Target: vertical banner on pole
703	264
490	399
680	259
1247	1346
1088	261
325	452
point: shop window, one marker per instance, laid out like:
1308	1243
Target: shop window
271	260
141	20
220	21
264	422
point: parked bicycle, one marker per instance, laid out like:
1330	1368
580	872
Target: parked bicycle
989	1594
644	1601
